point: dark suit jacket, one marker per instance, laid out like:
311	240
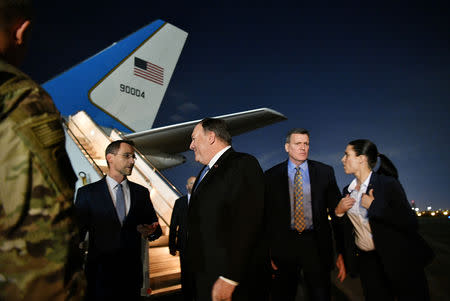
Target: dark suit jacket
225	219
394	230
114	263
178	221
324	197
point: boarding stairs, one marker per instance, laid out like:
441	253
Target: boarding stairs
86	142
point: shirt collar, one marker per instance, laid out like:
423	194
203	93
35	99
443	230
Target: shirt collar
113	183
303	166
364	185
217	156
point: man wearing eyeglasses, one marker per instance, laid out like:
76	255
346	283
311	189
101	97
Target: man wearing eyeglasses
116	212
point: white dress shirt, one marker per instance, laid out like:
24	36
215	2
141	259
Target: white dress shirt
112	187
358	216
215	158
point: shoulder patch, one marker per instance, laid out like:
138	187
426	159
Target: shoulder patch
48	132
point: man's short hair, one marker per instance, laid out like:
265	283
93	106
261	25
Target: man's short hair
114	146
296	131
11	10
219	127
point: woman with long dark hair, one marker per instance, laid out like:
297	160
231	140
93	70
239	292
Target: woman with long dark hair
380	229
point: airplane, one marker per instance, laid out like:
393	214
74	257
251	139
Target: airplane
116	94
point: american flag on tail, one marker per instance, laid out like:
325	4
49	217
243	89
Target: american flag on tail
148	71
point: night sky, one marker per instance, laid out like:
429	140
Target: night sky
343	70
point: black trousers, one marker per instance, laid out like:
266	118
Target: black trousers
378	283
186	288
307	260
112	279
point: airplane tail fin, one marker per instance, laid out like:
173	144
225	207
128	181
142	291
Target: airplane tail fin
122	86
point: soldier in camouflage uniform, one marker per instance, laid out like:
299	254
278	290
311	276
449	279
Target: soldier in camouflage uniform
39	259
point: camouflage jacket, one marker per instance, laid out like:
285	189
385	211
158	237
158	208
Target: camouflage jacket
39	259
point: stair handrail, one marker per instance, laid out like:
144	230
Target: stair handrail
80	145
155	170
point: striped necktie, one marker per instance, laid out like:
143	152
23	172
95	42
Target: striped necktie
299	214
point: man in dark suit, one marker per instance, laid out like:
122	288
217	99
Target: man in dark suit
177	234
116	213
225	250
300	194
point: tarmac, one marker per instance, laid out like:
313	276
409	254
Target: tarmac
435	230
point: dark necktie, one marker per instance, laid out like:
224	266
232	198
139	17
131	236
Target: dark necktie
299	214
120	203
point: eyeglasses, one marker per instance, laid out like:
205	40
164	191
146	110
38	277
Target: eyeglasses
128	155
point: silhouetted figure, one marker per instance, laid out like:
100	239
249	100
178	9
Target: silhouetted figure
178	235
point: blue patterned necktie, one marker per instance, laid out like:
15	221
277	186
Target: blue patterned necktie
299	214
205	170
202	175
120	203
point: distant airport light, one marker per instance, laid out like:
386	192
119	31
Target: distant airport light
445	212
433	214
420	214
429	208
417	209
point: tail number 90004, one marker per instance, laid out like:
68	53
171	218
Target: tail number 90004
133	91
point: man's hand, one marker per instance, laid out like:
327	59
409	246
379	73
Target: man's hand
222	290
341	268
83	245
344	205
146	230
274	268
367	199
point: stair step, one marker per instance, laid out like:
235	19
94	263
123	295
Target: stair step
164	268
166	290
165	281
166	272
163	241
